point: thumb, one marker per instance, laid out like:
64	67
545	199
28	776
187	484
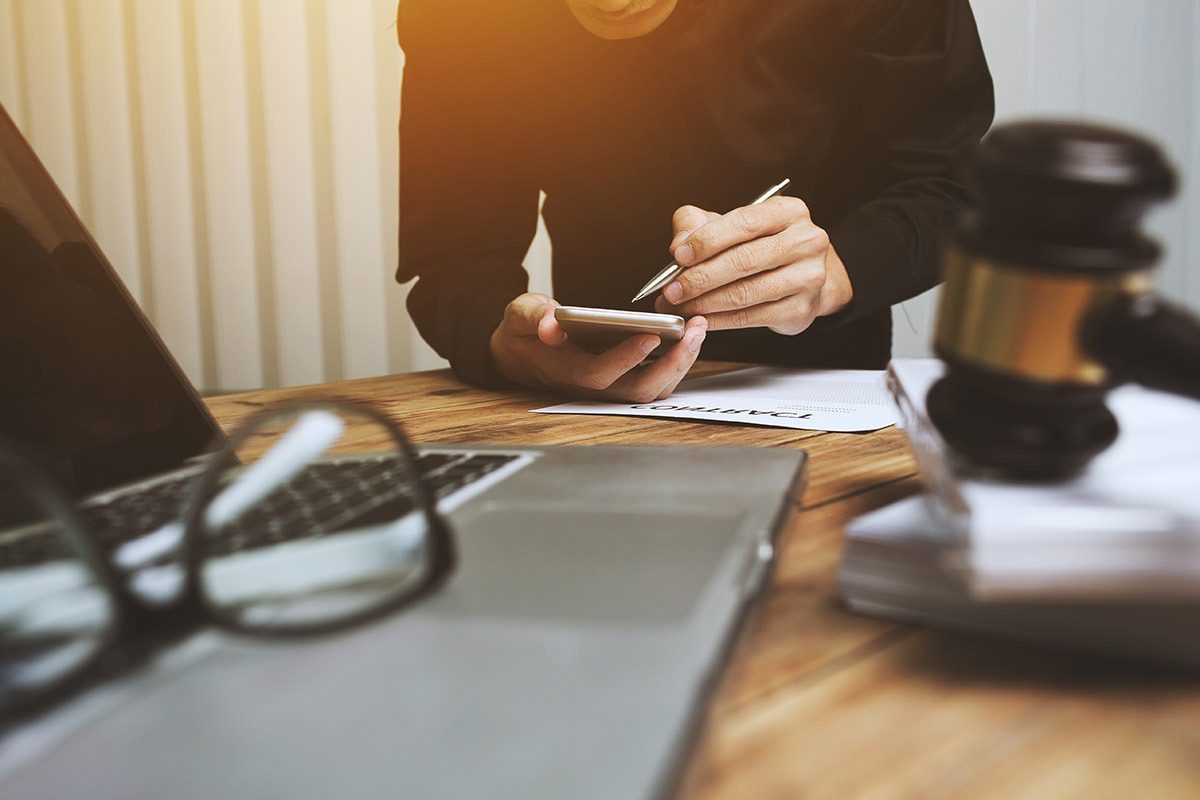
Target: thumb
686	221
548	329
527	312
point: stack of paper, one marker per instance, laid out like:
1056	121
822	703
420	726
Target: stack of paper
893	567
1109	561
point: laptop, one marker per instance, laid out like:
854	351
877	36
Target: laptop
569	654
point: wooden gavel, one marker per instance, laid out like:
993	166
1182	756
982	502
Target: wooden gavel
1048	300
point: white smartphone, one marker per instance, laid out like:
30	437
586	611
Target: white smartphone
598	329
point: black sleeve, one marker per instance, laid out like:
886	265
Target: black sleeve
917	95
468	210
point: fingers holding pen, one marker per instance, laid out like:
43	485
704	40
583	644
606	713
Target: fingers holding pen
777	281
763	265
741	225
744	242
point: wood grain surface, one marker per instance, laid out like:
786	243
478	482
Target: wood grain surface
820	703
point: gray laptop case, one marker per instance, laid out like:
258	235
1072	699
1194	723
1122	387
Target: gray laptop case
570	655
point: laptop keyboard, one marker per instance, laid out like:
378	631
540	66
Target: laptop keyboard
324	497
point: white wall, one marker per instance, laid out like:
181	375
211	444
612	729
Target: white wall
1135	63
237	158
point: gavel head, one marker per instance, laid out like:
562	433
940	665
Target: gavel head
1052	237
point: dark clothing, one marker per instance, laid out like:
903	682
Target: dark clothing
864	104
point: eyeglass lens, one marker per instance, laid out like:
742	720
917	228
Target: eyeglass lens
317	521
55	613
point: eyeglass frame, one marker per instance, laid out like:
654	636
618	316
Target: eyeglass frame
139	629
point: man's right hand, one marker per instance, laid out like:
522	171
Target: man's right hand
530	347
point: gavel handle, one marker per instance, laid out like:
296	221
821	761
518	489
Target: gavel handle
1144	339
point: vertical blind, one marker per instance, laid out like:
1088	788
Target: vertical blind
237	159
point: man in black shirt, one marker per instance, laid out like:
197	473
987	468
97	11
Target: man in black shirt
642	120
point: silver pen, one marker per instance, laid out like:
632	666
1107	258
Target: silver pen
671	270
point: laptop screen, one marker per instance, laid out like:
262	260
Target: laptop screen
86	386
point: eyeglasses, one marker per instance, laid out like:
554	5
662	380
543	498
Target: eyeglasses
309	519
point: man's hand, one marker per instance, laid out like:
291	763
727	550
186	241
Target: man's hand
764	265
530	347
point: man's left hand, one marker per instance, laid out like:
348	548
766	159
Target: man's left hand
764	265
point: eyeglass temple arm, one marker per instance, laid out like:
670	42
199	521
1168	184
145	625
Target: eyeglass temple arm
303	443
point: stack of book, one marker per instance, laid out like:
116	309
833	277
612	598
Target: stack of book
1107	562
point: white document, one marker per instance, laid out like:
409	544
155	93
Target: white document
812	400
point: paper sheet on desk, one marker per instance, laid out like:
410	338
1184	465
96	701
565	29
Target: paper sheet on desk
814	400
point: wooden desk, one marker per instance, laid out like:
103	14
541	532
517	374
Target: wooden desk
818	702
